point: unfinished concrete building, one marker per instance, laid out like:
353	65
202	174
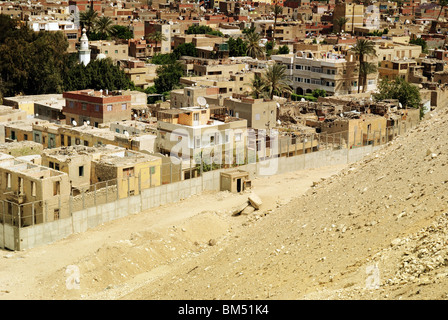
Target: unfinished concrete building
133	171
32	194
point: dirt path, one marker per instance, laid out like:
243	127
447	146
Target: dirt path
118	258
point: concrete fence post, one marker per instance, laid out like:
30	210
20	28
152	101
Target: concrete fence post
94	194
32	213
107	191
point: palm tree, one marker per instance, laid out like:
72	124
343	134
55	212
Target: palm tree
364	70
88	19
157	36
104	25
276	10
257	87
340	22
363	48
276	80
434	23
253	48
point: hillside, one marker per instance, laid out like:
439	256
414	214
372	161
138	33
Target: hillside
388	211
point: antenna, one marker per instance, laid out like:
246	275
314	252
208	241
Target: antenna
201	101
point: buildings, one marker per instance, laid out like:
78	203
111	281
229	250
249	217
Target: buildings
334	72
189	132
96	107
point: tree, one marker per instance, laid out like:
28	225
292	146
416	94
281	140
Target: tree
237	47
365	69
104	25
277	10
98	74
30	62
195	29
283	49
276	81
340	22
185	49
319	93
122	32
363	48
163	58
168	77
258	87
253	45
420	42
88	19
406	93
156	36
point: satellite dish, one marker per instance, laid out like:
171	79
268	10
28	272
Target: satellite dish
88	121
126	133
278	105
303	99
74	123
206	106
279	122
201	101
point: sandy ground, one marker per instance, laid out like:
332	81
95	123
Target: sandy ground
118	258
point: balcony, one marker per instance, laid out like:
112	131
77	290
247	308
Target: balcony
15	196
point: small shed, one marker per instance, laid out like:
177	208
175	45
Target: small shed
235	181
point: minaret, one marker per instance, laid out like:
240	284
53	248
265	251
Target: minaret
84	51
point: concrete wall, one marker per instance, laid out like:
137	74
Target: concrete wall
24	238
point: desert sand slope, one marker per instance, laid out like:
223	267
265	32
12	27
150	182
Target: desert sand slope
376	230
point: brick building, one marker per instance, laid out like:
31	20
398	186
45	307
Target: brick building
95	107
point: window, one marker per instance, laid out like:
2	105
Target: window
123	106
71	104
51	165
238	137
106	52
25	137
84	106
109	107
153	170
33	188
56	188
97	107
116	51
86	143
81	171
257	116
77	141
62	140
56	214
56	166
117	130
128	172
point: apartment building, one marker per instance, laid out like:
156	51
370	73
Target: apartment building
336	73
133	171
260	114
109	49
354	13
32	194
95	107
188	132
